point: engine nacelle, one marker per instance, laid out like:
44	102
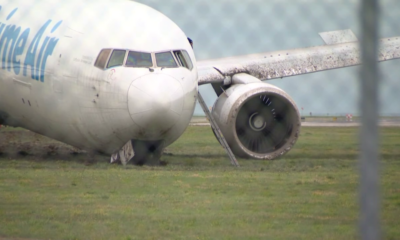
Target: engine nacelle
258	120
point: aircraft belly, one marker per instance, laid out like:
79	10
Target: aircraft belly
120	123
179	127
18	99
96	132
96	124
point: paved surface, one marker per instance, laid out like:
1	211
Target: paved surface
346	124
323	122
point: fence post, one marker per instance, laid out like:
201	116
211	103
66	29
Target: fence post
369	139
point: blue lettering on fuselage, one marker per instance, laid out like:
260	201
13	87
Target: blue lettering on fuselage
13	43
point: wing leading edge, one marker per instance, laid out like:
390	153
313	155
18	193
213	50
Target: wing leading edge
266	66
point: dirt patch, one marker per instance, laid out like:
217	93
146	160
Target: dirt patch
16	143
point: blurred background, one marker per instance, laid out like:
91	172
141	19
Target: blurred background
223	28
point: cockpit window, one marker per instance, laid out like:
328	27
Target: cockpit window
188	60
165	59
101	60
183	58
139	59
117	58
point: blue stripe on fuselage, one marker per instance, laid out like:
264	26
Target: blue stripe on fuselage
13	43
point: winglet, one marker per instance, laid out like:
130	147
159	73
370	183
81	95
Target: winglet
340	36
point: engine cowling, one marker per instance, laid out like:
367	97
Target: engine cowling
258	120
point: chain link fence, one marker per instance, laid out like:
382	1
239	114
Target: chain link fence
230	28
223	28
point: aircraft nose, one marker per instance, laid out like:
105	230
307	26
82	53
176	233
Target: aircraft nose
155	103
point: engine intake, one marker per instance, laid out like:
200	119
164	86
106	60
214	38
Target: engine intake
258	120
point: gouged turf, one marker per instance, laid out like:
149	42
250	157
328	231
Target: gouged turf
311	193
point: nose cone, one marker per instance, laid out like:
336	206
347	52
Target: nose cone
155	103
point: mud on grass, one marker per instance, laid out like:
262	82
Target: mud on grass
19	144
318	148
310	193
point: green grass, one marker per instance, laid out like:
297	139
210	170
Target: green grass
310	193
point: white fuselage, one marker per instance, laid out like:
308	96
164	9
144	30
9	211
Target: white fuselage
49	82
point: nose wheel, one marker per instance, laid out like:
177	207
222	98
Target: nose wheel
139	153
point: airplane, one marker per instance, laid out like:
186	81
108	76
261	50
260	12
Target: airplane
121	78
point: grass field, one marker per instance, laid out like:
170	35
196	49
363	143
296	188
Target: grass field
51	191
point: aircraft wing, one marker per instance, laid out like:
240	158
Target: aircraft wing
341	50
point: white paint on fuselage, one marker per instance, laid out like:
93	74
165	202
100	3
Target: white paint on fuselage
83	105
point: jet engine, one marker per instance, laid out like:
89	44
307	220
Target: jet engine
258	120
